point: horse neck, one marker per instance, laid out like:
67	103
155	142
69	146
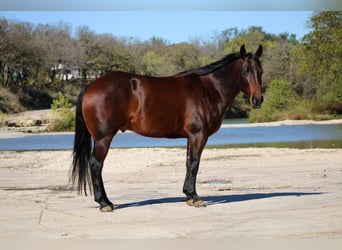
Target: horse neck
226	81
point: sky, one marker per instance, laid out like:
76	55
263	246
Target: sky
173	26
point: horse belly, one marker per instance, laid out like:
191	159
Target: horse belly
155	126
158	121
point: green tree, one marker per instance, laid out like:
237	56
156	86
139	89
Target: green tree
184	56
157	65
322	57
277	62
251	37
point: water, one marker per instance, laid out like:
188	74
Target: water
296	136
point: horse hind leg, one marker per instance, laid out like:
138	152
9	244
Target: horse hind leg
100	151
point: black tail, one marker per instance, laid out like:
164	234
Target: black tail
80	172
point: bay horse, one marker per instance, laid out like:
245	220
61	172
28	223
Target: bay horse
188	105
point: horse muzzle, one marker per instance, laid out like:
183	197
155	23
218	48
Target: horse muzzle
256	101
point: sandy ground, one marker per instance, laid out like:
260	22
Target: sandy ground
250	192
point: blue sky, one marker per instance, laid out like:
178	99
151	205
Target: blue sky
173	26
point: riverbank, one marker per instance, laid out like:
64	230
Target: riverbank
35	121
285	123
11	132
252	193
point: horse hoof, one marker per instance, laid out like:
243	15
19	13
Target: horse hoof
107	208
198	203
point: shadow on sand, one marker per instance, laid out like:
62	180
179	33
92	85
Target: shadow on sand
212	200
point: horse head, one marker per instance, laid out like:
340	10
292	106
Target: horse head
251	72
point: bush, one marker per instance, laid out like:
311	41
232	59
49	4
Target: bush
62	106
61	103
280	104
65	123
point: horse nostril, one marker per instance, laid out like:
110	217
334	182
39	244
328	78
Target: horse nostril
257	101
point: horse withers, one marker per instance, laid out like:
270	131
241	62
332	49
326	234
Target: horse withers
188	105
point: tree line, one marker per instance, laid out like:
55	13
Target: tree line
43	56
36	54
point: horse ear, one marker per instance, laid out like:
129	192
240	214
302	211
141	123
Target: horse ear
242	51
258	53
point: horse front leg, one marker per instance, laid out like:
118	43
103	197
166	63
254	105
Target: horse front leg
195	147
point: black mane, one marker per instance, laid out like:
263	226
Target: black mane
207	69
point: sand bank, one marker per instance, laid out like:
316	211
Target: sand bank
250	192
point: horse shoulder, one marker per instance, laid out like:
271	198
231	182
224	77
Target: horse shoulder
204	106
